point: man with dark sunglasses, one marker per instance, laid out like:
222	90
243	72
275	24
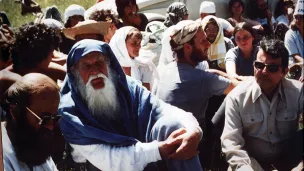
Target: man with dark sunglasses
262	115
30	130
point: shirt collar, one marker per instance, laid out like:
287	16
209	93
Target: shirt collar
257	91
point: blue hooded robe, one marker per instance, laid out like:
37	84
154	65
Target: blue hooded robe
140	110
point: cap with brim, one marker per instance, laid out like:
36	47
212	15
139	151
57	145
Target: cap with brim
87	27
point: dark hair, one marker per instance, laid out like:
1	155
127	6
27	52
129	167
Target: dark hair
34	43
68	22
276	49
244	26
279	10
106	15
232	2
122	4
4	19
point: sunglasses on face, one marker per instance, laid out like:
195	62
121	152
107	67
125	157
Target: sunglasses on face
47	117
270	67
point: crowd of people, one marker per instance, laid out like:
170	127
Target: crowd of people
105	89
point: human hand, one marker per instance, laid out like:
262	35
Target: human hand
168	146
188	146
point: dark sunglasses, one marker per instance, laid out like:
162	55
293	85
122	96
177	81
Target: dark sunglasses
270	67
46	118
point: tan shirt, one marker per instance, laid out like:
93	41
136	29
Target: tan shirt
255	125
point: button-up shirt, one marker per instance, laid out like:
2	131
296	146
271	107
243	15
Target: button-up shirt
255	126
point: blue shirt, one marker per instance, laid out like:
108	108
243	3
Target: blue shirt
244	67
188	88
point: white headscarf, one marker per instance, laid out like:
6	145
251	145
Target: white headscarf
217	50
119	48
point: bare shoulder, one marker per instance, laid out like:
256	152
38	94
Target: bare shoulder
56	71
7	78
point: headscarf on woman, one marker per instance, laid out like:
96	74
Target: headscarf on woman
119	48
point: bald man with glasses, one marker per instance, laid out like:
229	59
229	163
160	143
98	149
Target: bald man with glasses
31	127
262	115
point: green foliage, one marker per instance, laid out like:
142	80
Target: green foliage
13	9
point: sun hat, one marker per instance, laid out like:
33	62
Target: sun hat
87	27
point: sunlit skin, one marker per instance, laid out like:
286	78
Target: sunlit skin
91	65
266	80
211	30
244	41
111	31
39	107
133	43
199	48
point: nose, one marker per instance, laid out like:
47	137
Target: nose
94	70
50	125
264	70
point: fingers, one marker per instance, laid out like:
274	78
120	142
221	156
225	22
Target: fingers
178	132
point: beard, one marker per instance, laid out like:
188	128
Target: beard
32	147
102	103
198	55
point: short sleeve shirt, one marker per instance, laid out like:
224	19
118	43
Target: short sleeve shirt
294	42
244	67
188	88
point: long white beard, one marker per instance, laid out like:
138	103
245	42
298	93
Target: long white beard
101	102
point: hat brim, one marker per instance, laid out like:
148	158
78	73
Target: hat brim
91	28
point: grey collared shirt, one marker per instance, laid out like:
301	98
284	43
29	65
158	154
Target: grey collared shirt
255	126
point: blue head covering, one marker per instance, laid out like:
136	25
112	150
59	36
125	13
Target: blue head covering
77	125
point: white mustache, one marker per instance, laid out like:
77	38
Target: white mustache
100	75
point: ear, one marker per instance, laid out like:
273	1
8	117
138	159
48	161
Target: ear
187	47
14	111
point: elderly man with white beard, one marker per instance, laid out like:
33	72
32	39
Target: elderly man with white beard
113	123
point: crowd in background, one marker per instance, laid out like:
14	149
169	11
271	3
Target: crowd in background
192	65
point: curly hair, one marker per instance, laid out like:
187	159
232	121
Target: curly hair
106	15
34	43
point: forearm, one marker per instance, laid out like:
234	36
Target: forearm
105	157
298	59
232	137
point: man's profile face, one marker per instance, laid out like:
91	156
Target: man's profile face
200	46
34	143
91	65
265	78
211	30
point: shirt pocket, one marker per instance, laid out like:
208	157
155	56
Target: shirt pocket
252	123
287	123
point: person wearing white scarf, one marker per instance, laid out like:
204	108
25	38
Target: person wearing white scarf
137	67
218	50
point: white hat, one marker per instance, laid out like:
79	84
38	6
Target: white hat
87	27
207	7
299	8
72	10
53	23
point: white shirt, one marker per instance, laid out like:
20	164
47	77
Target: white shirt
10	161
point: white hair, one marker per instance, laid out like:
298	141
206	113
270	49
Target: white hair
101	102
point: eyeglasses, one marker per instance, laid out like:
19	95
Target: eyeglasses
46	118
270	67
245	38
